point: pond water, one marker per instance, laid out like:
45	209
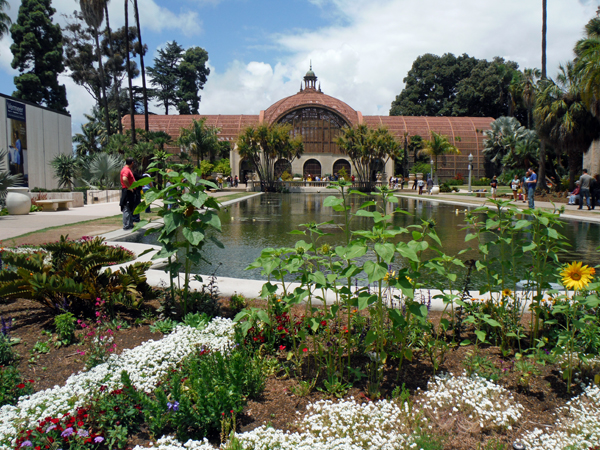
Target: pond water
265	221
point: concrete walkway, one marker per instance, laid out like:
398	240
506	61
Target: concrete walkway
464	199
13	226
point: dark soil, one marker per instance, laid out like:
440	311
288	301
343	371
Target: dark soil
278	405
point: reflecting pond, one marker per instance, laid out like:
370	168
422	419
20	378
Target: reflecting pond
265	221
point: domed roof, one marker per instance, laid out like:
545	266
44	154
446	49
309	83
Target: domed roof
308	98
310	73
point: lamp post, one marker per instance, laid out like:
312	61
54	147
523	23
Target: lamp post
431	162
470	169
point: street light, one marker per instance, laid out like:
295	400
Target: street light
470	169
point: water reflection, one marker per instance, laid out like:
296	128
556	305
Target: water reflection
266	221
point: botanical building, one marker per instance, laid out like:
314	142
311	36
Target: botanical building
319	118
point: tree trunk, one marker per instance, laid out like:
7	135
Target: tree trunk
574	166
542	164
102	83
112	55
131	103
145	92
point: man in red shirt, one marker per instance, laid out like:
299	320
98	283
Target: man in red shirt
127	202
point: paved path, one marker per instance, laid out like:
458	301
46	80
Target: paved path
570	212
13	226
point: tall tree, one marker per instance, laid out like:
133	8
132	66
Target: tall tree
542	166
178	75
4	19
587	51
129	77
529	91
165	74
145	90
38	55
116	84
510	145
192	76
437	146
562	119
263	145
93	14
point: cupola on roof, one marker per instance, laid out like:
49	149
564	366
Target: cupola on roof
310	96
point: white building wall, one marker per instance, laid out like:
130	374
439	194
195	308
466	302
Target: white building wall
48	134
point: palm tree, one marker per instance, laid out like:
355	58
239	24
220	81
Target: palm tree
65	169
129	75
102	171
4	19
562	119
510	145
86	142
93	14
438	145
139	32
529	90
587	65
199	139
116	82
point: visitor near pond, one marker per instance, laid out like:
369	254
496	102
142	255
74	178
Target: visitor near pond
574	196
421	184
494	186
585	182
514	185
127	195
429	185
531	184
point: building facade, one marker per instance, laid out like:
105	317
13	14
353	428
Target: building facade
319	119
33	136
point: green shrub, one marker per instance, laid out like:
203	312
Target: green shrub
192	400
7	353
12	385
65	325
481	182
164	326
237	302
454	182
421	167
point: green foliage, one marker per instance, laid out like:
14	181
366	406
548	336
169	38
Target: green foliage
7	352
6	179
223	166
65	325
164	326
178	75
74	278
12	385
448	85
264	145
4	18
368	148
206	167
437	146
65	169
237	302
102	170
421	167
38	55
483	366
200	140
192	401
511	146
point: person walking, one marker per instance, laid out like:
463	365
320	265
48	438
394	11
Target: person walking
531	184
524	186
514	185
429	185
585	182
494	187
421	184
127	202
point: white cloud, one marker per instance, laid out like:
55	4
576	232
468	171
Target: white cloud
364	60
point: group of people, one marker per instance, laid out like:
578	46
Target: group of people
522	188
587	189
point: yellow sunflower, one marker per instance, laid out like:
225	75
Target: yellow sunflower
576	276
506	292
389	276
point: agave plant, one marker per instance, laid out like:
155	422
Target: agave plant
6	179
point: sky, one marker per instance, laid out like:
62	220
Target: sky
361	50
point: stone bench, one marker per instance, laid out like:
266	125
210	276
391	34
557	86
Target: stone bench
57	204
481	193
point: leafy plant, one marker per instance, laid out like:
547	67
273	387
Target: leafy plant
164	326
12	385
65	325
477	364
237	302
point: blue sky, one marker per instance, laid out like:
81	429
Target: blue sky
361	50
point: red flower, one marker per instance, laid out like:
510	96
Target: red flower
20	386
304	349
80	424
282	347
323	322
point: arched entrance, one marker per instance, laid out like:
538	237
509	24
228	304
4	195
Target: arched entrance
312	167
246	170
282	165
342	164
